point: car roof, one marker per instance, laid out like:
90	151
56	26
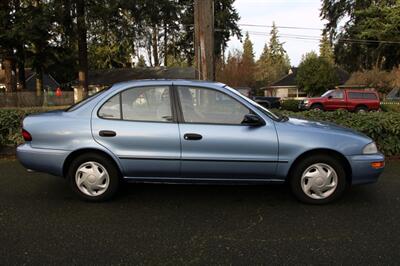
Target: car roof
361	91
182	82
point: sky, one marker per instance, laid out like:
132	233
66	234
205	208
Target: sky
286	13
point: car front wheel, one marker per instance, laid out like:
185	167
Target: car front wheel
318	179
93	177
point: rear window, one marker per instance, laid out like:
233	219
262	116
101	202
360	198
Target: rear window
86	100
362	95
371	96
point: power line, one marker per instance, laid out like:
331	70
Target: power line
317	38
281	27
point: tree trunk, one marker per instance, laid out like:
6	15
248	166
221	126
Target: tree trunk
82	47
154	44
39	82
10	81
21	67
165	45
21	75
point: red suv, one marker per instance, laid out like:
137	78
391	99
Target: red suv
351	100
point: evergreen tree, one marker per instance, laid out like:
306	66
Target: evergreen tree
370	35
247	62
325	48
248	52
274	61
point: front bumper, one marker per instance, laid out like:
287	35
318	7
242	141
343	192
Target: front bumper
303	106
362	171
42	160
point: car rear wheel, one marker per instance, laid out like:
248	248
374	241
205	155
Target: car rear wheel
93	177
318	179
361	109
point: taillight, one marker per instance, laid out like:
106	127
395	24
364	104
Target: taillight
26	135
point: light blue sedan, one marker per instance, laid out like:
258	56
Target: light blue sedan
177	131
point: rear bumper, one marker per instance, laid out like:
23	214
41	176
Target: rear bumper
42	160
362	171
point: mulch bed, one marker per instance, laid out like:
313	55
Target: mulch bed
7	152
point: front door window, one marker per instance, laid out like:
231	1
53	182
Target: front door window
207	106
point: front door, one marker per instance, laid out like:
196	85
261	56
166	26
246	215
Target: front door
215	143
138	126
335	101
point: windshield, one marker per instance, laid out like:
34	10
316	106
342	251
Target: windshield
256	105
326	94
84	101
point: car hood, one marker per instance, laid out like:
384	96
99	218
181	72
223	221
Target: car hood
314	98
324	126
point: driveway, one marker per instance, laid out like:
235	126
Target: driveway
42	222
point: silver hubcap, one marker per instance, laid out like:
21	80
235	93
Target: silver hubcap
92	178
319	181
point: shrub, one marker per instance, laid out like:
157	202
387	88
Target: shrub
11	123
383	127
290	105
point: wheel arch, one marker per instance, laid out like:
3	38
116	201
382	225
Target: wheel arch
325	151
361	105
76	153
317	104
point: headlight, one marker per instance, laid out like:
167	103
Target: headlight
370	148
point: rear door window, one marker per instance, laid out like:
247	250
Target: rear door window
111	109
356	95
147	104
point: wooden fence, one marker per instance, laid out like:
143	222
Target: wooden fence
30	99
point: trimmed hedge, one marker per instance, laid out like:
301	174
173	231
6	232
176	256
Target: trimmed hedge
290	105
11	123
383	127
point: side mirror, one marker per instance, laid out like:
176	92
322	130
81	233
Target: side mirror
330	97
252	120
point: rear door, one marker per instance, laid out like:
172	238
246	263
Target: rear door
139	127
215	143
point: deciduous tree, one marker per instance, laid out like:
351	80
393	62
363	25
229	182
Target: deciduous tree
316	75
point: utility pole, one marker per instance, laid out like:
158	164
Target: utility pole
204	39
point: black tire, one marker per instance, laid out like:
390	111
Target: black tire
317	107
110	167
298	170
361	109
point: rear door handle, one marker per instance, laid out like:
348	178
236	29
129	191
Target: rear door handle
107	133
192	136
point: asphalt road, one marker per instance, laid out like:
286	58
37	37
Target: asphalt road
41	222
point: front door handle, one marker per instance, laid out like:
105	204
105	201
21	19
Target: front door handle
107	133
192	136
